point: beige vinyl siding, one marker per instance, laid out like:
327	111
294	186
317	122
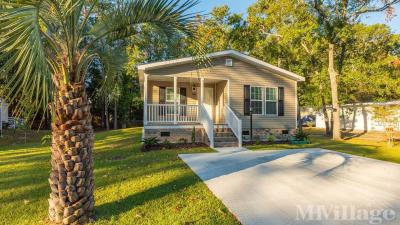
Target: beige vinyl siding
240	74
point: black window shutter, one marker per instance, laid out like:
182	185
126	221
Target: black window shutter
182	92
161	96
246	100
281	104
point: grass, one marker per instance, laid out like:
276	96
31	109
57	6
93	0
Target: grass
131	187
362	145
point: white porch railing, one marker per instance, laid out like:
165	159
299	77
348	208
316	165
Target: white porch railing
234	123
188	113
165	113
208	124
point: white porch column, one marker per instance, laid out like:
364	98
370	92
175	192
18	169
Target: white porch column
201	90
145	100
175	100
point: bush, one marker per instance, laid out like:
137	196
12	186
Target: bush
271	138
167	144
300	135
183	141
257	140
193	135
149	142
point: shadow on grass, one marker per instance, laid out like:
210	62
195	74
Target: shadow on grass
115	208
351	135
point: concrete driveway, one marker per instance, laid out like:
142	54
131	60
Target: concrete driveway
304	186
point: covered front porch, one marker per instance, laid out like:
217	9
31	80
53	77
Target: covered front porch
173	100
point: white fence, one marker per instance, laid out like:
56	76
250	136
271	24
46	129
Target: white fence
234	123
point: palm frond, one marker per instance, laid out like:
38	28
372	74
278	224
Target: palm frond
22	48
170	16
113	61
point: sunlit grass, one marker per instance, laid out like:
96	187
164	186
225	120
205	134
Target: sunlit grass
376	149
131	187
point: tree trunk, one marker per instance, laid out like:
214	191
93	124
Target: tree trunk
71	178
365	118
334	92
353	122
103	118
115	115
326	117
106	114
299	121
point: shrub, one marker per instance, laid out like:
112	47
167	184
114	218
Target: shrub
300	135
183	141
193	135
149	142
257	140
271	138
167	144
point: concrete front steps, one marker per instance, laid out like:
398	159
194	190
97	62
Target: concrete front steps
224	137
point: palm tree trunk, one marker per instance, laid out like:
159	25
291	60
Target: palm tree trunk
334	91
71	178
115	115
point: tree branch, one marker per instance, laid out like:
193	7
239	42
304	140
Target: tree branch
375	9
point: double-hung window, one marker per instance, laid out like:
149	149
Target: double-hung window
271	101
169	95
256	100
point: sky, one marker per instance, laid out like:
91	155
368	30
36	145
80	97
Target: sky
240	6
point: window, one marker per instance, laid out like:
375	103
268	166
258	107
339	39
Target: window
169	95
256	100
228	62
271	101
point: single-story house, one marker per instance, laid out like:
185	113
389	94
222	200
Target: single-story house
358	116
3	111
213	104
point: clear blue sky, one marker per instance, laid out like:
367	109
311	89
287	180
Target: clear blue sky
240	6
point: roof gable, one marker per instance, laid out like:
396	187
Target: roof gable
233	53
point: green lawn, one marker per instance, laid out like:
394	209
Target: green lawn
366	146
131	187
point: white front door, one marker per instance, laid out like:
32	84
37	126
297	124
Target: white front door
209	100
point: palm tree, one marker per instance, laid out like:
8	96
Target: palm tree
49	44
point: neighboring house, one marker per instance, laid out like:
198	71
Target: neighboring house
217	100
358	116
3	110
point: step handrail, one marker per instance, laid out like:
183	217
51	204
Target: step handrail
208	124
234	123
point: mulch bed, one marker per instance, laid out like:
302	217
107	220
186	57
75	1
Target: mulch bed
174	146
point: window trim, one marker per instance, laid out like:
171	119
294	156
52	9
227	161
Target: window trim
276	101
262	99
178	95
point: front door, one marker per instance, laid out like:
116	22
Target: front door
209	100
